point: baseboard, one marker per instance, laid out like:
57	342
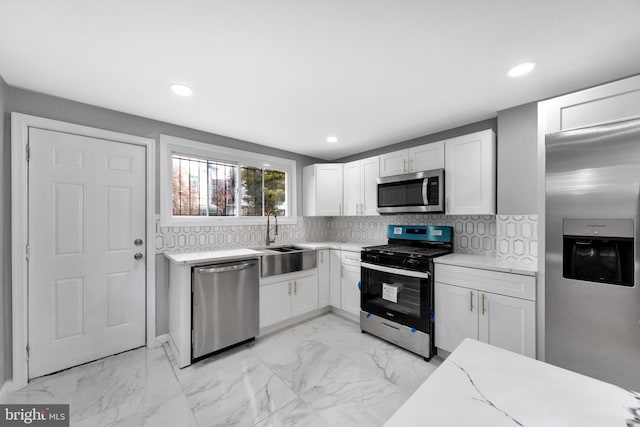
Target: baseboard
161	340
293	321
6	388
346	315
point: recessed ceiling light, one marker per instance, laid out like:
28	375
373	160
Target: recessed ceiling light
521	69
332	139
181	90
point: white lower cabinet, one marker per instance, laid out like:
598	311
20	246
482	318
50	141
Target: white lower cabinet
324	277
275	303
462	312
283	299
350	282
455	316
304	296
335	273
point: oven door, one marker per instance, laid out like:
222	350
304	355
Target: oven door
399	295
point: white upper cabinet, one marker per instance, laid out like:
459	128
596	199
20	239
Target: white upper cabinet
394	163
369	188
351	188
470	174
415	159
322	189
360	188
426	157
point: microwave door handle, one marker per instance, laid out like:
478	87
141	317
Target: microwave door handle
425	191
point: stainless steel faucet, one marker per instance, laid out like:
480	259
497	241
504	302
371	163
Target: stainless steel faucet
269	240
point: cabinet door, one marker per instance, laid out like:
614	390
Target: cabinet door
328	190
351	289
335	294
394	163
426	157
370	169
456	315
305	295
275	303
324	277
470	179
508	323
351	188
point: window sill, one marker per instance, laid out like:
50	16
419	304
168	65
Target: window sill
217	222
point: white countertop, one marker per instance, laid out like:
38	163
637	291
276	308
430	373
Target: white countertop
354	247
190	258
211	256
481	385
486	263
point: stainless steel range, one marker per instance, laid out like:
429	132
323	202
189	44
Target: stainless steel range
397	286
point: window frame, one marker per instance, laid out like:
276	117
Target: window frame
170	145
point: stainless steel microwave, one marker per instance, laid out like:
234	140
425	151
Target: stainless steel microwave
412	192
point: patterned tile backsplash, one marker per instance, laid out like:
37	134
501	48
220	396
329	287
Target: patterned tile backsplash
508	237
191	239
471	234
517	238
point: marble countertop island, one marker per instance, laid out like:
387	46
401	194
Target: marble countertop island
481	385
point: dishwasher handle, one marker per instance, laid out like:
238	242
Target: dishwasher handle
234	267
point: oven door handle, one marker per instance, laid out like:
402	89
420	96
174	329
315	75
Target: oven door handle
398	271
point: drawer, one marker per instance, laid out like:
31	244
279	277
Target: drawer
497	282
350	258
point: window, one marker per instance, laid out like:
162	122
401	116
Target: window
205	184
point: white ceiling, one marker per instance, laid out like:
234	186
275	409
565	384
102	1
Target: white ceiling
288	73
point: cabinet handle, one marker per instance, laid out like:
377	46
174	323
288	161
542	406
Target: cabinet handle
295	287
289	288
470	300
483	304
404	165
410	165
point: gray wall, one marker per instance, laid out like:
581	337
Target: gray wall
451	133
5	237
51	107
518	160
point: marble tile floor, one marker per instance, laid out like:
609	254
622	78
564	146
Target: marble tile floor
323	372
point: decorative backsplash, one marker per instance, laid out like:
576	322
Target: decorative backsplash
508	237
474	234
189	239
517	238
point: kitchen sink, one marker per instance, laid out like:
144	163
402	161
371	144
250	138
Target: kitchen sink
286	259
282	248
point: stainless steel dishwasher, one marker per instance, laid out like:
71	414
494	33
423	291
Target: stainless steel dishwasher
225	302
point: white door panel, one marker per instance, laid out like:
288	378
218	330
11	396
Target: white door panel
86	290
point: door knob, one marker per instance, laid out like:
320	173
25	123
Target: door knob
138	256
138	242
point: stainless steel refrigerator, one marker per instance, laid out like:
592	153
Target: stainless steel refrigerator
592	295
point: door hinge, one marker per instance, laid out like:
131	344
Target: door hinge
28	151
27	252
28	349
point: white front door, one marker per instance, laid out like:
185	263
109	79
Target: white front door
86	211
